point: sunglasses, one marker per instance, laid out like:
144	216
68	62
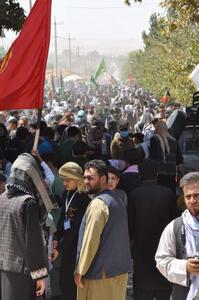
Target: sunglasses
89	178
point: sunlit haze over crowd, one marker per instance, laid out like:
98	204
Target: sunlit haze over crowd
107	26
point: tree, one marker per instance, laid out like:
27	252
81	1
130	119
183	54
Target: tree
187	10
128	2
167	59
12	15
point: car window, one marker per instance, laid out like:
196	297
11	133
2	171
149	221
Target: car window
189	140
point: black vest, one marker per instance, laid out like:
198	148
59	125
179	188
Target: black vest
167	167
180	292
113	254
12	234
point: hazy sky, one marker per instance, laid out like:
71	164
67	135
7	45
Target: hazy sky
108	26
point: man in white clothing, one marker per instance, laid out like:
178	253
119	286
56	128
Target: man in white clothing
177	256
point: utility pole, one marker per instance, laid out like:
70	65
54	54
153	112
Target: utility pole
56	58
2	35
69	52
78	51
30	4
78	58
56	53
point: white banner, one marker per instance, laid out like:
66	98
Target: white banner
194	76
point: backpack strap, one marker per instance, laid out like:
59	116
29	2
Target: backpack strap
4	163
180	292
179	231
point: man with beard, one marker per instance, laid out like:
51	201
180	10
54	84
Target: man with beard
103	258
177	256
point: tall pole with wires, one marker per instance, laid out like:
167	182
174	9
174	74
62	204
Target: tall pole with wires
69	52
56	57
30	4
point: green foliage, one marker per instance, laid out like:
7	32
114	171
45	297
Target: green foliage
187	10
12	15
128	2
168	58
182	12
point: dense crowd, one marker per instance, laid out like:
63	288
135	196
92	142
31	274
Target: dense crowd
111	167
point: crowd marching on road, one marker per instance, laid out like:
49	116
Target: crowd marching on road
96	211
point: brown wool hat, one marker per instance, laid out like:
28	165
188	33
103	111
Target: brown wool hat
71	170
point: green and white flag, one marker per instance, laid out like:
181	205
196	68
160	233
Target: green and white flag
102	69
92	80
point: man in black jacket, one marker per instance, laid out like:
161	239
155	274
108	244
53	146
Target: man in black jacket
151	207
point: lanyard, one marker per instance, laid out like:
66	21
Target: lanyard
71	199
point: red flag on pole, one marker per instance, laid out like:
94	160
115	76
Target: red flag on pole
22	70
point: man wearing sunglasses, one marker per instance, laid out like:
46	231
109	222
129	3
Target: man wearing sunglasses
177	256
103	258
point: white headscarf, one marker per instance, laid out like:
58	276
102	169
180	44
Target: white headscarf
192	236
161	130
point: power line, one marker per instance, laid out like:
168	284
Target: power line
106	7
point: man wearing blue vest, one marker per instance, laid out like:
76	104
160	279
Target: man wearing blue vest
103	258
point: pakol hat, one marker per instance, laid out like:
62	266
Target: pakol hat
71	170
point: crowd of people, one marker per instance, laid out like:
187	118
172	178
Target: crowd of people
89	206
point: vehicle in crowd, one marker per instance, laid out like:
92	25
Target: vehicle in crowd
184	125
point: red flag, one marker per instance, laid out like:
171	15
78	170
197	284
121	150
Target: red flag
164	99
22	70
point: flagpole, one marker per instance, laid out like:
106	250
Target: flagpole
56	56
37	133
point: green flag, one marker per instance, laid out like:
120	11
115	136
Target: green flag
92	80
101	69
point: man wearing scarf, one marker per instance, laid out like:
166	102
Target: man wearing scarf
165	150
23	210
177	256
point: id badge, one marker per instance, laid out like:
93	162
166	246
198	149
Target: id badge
66	224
